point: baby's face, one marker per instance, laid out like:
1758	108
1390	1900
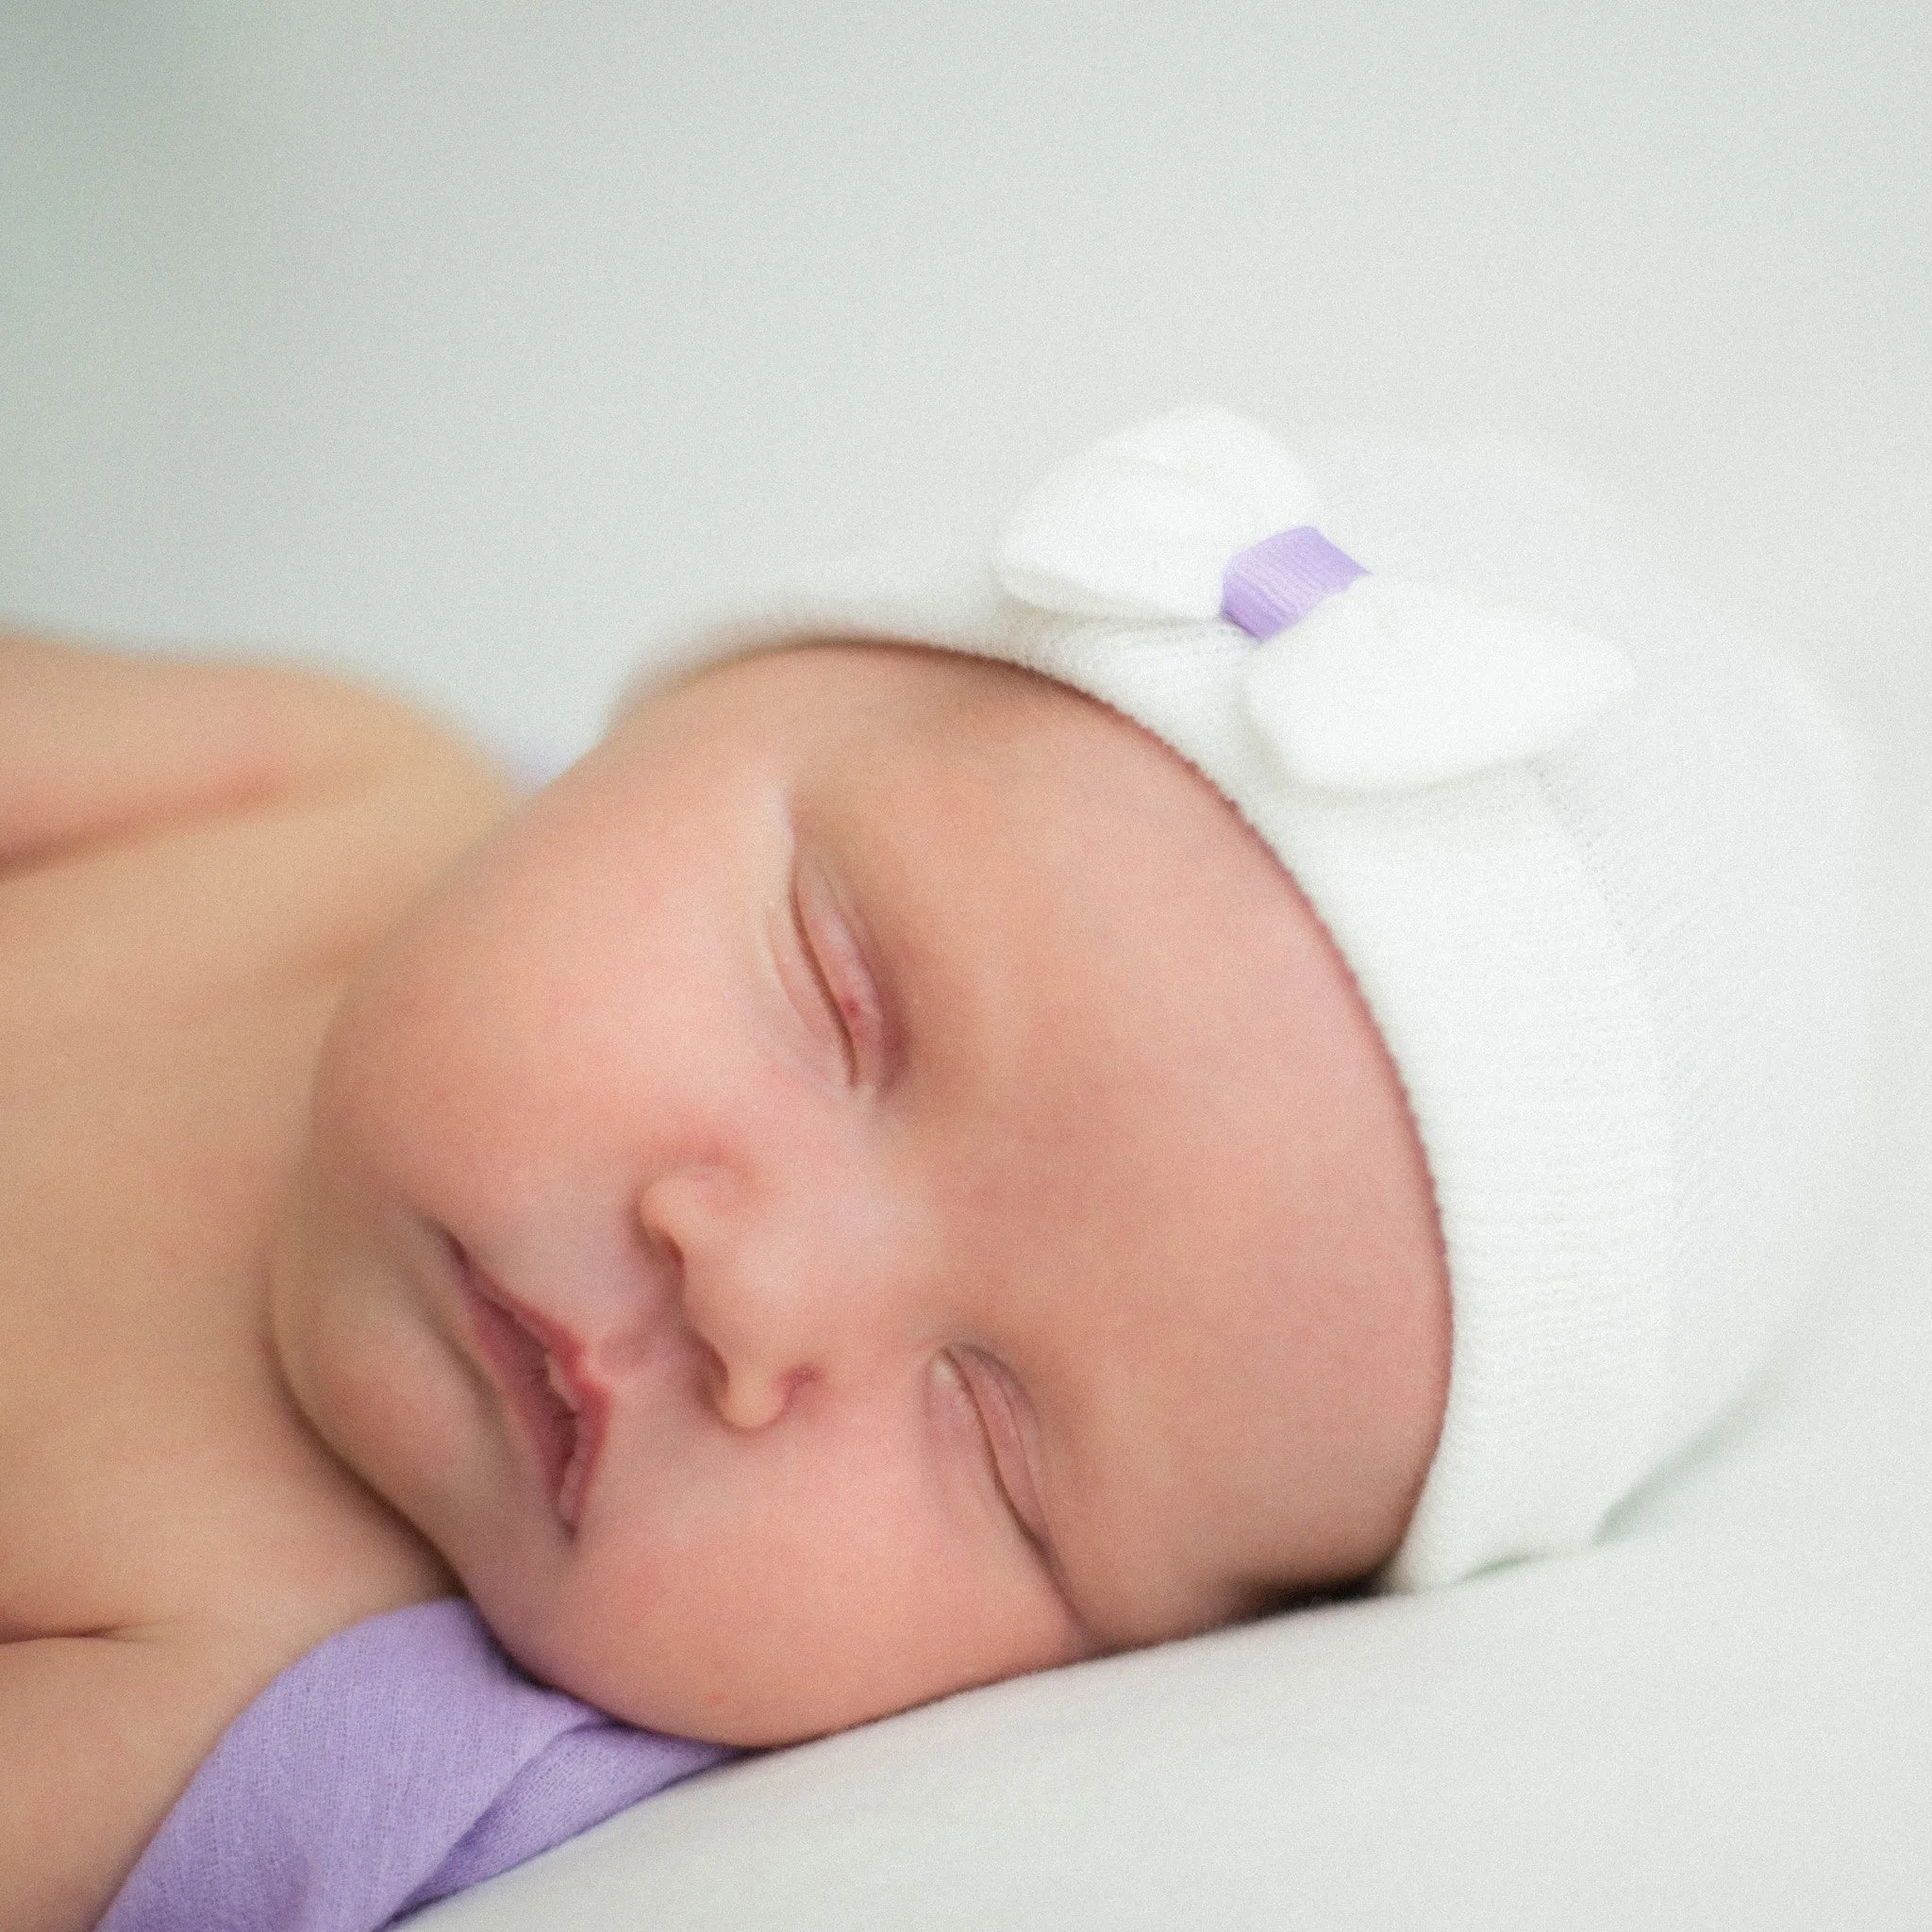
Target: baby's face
942	1165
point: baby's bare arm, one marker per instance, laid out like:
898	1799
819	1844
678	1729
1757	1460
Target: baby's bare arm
99	1735
96	744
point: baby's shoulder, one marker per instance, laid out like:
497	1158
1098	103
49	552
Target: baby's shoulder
100	745
216	820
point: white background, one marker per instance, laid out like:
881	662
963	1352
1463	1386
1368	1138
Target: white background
464	344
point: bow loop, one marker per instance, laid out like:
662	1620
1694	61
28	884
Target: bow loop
1392	684
1358	682
1143	526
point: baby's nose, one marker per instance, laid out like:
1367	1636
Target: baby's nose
761	1288
751	1398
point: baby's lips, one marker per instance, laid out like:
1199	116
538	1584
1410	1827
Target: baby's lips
591	1409
539	1367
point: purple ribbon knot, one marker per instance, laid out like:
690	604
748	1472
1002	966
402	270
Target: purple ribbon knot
1276	582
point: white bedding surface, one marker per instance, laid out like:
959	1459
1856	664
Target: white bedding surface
457	345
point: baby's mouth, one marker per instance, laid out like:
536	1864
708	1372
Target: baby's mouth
535	1363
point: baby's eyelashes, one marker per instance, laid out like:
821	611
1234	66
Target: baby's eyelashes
987	1386
822	1008
846	987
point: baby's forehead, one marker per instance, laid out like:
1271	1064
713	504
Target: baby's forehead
927	717
882	683
985	779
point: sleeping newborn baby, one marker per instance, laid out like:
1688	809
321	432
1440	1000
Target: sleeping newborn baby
792	1223
1000	1117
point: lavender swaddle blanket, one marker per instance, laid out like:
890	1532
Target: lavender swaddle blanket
401	1761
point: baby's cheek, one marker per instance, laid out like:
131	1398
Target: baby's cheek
784	1623
756	1632
362	1378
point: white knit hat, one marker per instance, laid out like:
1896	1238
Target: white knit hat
1593	869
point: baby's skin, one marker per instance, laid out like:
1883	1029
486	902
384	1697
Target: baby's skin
872	1183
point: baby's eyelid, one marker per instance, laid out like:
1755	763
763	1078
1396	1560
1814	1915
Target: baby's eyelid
1005	1443
811	948
843	971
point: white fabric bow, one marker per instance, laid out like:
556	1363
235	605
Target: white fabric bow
1384	685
